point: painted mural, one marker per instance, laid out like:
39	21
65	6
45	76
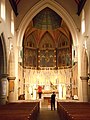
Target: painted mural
47	42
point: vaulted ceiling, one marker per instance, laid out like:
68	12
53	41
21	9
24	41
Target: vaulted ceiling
73	7
80	4
47	23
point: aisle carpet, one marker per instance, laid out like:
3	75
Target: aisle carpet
47	114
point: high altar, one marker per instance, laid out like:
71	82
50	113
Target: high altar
50	80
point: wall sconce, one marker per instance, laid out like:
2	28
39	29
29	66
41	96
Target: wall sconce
85	41
89	75
9	38
86	36
89	79
10	42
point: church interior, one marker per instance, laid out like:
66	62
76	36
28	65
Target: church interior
44	48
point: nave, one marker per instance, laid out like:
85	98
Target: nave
44	44
32	110
45	112
27	110
48	114
47	45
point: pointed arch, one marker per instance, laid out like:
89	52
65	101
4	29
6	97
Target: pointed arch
47	41
3	55
40	6
30	40
63	40
11	64
84	63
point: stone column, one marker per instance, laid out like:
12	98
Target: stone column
3	88
84	76
11	94
84	88
11	78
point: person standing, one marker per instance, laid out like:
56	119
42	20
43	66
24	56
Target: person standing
40	91
53	100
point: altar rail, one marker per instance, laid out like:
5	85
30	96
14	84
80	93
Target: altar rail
73	110
19	111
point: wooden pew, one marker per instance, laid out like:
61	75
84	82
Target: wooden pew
19	111
74	110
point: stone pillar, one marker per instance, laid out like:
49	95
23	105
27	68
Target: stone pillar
11	94
84	88
84	76
11	78
3	88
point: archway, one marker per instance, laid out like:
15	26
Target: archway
55	7
61	12
3	70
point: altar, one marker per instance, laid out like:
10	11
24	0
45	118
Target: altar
32	93
50	81
46	99
47	93
48	96
47	90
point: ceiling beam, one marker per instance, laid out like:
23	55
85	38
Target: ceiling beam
80	6
14	6
17	2
77	1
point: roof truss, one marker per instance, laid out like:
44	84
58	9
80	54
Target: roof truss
80	5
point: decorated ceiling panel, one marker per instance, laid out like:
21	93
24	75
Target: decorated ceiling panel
47	19
47	42
15	5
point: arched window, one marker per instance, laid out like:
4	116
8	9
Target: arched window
12	22
3	9
83	22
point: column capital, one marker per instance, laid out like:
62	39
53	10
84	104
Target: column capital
3	75
11	78
84	78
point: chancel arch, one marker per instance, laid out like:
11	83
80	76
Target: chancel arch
39	7
46	56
